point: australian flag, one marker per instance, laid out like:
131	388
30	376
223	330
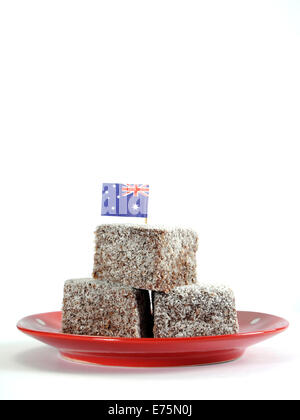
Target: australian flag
125	200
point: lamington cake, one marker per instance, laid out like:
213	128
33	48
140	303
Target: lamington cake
196	310
145	257
103	308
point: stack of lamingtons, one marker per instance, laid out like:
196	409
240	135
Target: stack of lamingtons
144	285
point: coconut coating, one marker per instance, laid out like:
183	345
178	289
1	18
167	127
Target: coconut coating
146	257
102	308
196	310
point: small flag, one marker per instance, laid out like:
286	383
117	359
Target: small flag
125	200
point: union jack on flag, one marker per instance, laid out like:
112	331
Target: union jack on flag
125	200
135	189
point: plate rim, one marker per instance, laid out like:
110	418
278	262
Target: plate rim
137	340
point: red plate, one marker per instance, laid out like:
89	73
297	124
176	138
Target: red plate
153	352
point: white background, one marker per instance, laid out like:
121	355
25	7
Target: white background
199	99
